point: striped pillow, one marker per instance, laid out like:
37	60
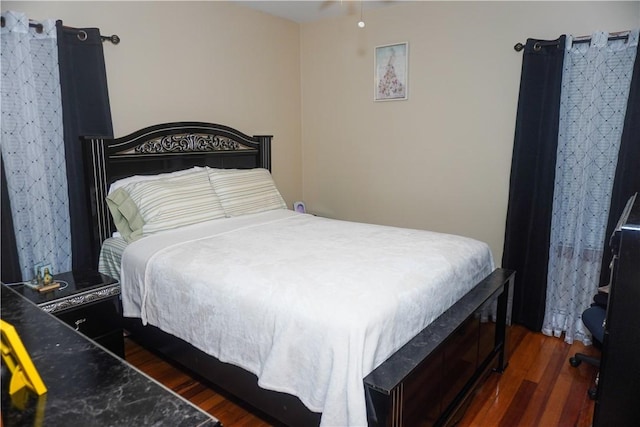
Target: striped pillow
175	202
138	178
245	191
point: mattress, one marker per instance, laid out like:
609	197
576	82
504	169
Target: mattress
309	305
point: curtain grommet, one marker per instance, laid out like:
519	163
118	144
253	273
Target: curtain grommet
537	46
82	35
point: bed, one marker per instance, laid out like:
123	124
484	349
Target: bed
308	319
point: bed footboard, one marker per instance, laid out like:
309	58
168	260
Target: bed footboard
429	380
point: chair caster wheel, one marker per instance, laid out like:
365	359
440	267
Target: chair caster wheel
574	362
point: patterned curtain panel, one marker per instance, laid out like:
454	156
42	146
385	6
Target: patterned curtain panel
33	145
595	90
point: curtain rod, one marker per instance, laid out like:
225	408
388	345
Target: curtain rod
32	24
620	35
82	35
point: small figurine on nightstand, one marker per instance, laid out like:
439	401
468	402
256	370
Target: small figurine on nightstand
47	283
47	278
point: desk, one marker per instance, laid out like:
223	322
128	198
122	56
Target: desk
87	386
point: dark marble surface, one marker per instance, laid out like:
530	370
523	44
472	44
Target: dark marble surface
87	386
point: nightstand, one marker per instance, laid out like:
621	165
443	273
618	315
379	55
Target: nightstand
90	304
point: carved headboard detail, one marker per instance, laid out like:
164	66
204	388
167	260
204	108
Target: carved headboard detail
185	143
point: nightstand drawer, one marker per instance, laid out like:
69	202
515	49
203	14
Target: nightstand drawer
94	320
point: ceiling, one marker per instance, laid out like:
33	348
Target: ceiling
302	11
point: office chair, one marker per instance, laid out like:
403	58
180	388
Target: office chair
593	319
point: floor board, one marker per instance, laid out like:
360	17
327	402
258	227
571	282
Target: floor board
538	388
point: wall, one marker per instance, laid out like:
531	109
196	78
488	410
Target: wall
209	61
441	159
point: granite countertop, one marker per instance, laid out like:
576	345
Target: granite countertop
87	386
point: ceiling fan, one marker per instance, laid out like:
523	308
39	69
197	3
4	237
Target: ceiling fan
353	6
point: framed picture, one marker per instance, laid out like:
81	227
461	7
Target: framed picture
41	267
299	207
391	72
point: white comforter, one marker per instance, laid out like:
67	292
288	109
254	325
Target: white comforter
310	305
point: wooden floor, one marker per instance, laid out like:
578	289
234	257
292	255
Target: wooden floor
539	387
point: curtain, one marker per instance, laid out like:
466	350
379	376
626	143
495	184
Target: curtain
33	146
532	178
595	90
10	267
86	111
627	179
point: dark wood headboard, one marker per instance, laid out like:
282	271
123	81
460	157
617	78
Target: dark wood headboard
161	148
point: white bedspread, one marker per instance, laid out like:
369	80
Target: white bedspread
310	305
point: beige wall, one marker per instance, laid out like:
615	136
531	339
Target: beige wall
441	159
209	61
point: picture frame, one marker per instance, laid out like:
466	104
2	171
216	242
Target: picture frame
299	207
41	267
24	374
391	72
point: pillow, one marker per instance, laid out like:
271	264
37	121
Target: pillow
124	211
139	178
245	191
126	216
177	201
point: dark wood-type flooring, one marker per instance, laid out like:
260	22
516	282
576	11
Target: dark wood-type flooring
539	387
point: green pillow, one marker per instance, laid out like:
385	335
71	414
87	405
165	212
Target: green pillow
126	217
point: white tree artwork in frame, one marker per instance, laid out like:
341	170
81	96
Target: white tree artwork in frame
391	72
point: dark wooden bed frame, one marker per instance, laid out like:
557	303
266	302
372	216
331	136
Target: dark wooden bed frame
428	381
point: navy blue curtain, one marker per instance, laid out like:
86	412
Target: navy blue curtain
10	268
528	224
86	111
627	178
